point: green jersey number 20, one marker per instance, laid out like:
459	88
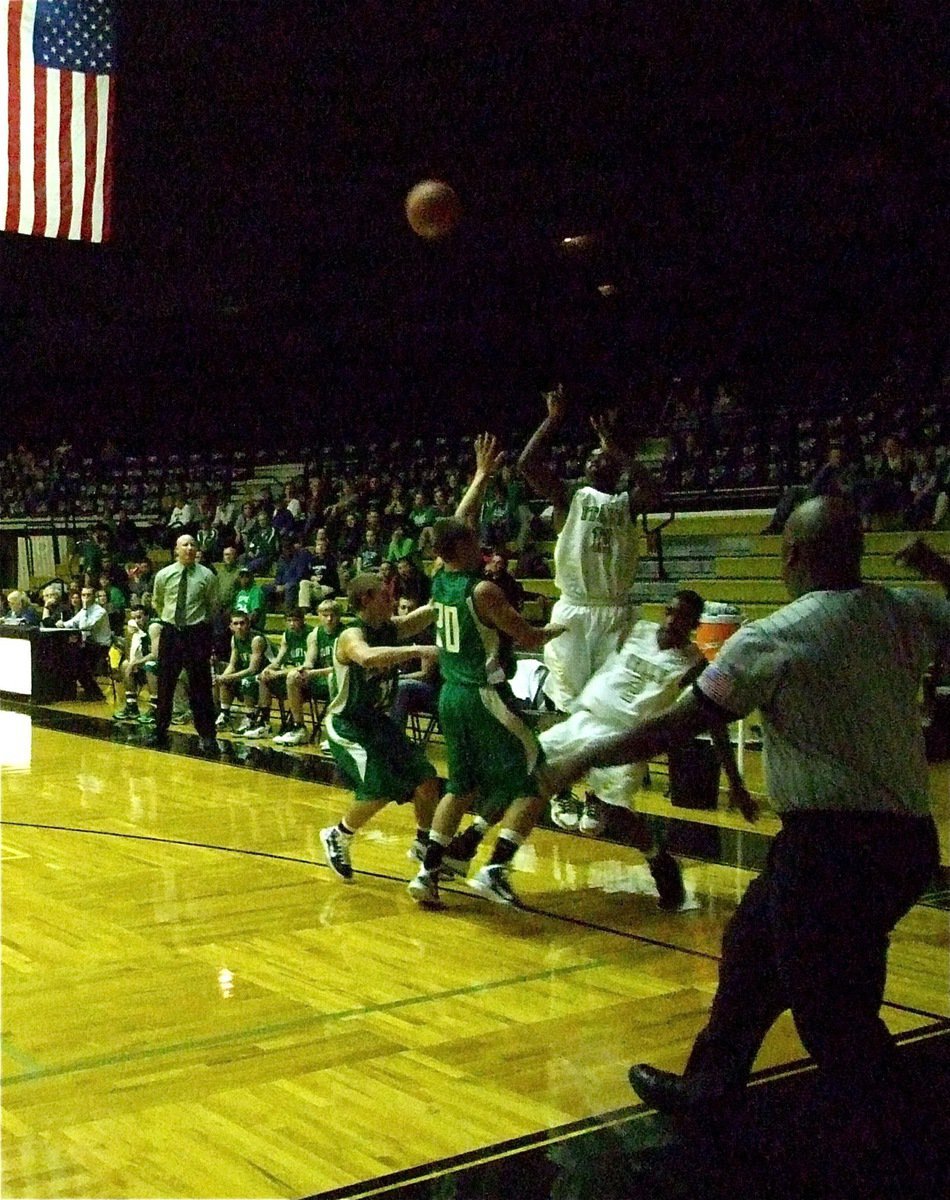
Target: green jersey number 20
447	627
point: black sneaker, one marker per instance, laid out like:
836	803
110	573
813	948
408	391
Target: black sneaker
454	868
668	879
336	848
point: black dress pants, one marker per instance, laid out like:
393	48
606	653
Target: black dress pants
811	934
188	648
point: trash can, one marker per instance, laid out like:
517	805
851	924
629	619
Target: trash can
694	774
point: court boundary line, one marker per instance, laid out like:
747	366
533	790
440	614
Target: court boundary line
562	1133
565	918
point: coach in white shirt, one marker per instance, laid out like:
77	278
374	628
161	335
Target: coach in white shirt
835	675
92	621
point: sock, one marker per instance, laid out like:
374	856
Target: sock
422	835
345	829
131	704
505	848
263	715
464	845
435	851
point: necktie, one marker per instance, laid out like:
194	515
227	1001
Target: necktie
181	600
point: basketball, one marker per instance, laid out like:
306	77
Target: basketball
432	209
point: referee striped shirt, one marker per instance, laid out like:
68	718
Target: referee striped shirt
836	677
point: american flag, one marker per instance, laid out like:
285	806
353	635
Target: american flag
56	64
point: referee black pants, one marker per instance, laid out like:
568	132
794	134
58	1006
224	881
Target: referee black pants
188	648
811	934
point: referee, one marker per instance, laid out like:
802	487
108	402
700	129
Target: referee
185	596
835	675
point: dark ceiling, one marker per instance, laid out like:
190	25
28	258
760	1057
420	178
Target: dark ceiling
764	179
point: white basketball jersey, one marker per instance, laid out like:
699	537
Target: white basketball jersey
596	555
639	680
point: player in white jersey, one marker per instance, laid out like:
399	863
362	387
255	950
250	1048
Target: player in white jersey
595	558
644	677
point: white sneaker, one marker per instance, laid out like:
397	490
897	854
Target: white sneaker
593	815
256	731
246	723
565	812
424	889
297	736
492	883
337	849
224	719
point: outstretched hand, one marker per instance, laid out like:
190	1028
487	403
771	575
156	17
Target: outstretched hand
488	454
556	401
745	802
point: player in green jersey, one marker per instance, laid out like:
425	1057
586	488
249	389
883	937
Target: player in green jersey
375	757
248	656
312	678
492	752
272	680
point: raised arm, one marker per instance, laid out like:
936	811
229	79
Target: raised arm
643	489
488	458
531	462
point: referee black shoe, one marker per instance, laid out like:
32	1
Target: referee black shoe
680	1095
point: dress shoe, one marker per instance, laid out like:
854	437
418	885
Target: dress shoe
675	1094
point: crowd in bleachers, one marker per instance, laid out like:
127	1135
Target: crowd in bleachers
335	510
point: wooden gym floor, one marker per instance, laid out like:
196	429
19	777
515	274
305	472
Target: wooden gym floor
194	1005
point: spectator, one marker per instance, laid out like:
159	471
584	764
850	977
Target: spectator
884	495
260	545
283	519
181	519
54	606
244	522
225	515
924	490
293	566
370	555
126	537
208	539
401	545
249	598
420	518
413	581
417	689
92	621
496	569
835	477
389	578
227	571
20	611
350	541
